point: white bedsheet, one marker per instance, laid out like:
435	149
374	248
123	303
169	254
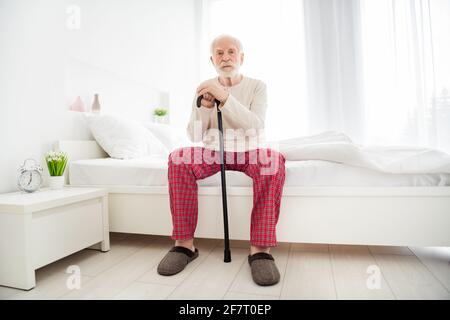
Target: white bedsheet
152	171
337	147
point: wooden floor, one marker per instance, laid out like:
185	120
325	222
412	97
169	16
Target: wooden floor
128	271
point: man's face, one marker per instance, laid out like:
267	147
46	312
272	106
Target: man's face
226	58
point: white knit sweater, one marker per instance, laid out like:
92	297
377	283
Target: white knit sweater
244	112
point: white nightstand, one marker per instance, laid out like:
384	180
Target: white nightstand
41	227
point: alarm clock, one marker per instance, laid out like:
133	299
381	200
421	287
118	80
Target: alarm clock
30	176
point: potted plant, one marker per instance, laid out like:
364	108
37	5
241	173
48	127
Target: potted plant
56	164
159	115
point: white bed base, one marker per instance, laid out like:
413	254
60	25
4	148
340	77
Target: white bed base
399	216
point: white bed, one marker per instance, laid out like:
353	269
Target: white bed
152	171
323	202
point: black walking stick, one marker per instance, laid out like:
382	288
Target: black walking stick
227	253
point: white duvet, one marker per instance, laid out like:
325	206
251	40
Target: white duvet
338	147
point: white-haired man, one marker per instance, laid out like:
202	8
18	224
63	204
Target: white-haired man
243	103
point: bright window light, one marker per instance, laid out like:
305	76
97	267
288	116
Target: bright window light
272	36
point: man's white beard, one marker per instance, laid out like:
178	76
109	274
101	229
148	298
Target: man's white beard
228	74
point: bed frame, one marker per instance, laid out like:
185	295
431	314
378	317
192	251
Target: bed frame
398	216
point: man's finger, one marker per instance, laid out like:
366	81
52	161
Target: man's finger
204	91
207	103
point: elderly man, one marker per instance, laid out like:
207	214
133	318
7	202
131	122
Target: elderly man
243	103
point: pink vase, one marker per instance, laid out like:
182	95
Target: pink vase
78	105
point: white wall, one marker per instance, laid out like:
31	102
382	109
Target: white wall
150	42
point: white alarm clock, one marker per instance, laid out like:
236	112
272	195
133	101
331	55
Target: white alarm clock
30	176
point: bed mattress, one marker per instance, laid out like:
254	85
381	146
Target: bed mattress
152	171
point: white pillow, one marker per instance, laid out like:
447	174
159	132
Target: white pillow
170	136
123	138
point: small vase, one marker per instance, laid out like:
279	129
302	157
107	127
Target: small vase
56	182
78	105
96	104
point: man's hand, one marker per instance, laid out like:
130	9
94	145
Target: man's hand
211	91
208	101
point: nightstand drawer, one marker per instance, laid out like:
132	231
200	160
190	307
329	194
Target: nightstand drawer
58	232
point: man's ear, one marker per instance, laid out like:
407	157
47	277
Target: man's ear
210	58
242	58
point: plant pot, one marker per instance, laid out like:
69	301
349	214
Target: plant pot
56	182
159	119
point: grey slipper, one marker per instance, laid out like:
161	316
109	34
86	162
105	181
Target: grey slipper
176	260
264	270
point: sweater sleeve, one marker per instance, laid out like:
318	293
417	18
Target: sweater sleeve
241	116
200	118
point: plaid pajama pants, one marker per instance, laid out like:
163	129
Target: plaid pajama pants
264	166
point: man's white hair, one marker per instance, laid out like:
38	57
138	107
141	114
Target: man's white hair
226	36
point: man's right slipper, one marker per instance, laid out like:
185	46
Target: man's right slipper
176	260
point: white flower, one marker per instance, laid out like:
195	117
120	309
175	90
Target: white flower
56	156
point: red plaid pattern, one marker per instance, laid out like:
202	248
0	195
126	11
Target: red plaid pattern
264	166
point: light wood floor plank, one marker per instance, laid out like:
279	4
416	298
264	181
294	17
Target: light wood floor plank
94	262
309	271
50	286
212	278
410	279
437	260
116	279
145	291
352	267
309	276
8	293
247	296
